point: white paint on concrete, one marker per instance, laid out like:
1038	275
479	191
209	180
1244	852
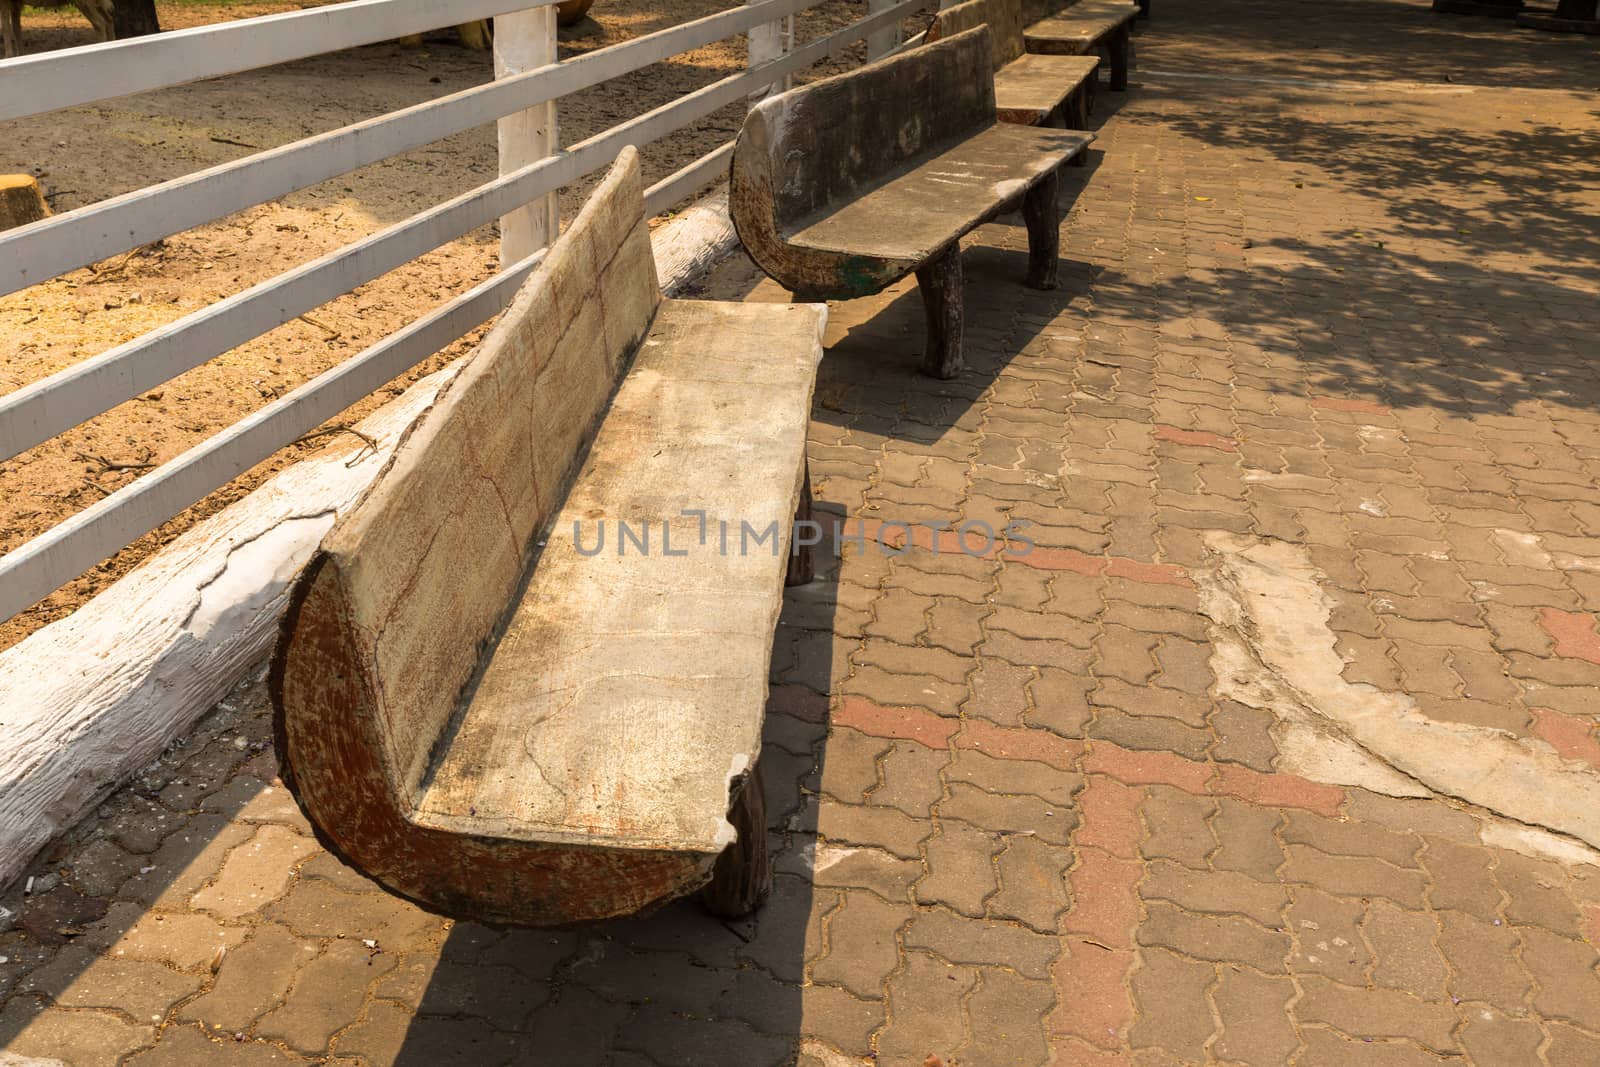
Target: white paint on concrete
1276	651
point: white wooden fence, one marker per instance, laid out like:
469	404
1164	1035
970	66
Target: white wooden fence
528	82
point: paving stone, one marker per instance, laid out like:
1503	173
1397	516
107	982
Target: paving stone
1377	1013
1008	814
1327	1048
33	1029
317	908
1005	1021
186	1045
876	827
1570	1047
1565	983
959	940
1354	876
925	1016
850	766
326	994
1350	838
1253	1012
77	977
1403	942
1247	840
910	778
1215	892
1327	936
1015	776
843	1021
862	945
1491	1037
1218	938
1461	878
1033	886
1243	735
1178	826
1482	957
184	941
255	872
852	867
1536	893
1174	1015
668	980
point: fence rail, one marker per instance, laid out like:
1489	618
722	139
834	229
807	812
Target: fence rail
40	411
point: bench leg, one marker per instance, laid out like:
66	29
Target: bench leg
1043	215
1119	60
742	877
940	282
802	566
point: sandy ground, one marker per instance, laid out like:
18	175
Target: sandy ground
86	154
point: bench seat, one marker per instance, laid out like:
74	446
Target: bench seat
1085	28
626	691
916	212
1031	88
492	711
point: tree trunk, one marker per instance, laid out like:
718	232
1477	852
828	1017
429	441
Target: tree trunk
133	18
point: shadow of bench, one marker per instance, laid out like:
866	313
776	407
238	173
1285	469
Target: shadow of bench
489	705
844	186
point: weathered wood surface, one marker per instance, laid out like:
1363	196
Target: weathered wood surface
589	768
135	667
844	186
1028	89
1085	28
914	214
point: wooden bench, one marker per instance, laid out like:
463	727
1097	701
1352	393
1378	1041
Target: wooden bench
1087	27
844	186
488	716
1030	89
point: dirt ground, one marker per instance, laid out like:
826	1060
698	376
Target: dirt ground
86	154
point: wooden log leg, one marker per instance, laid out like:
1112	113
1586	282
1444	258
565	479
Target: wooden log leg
1078	108
940	282
802	564
1119	60
742	877
1043	216
10	28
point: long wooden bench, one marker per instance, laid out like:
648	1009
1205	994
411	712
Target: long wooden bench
1090	26
1030	89
844	186
488	714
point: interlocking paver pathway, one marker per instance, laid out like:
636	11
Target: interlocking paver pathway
1279	747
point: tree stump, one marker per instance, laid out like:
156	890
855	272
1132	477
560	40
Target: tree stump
21	201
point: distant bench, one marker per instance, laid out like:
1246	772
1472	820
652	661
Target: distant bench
1033	90
488	715
844	186
1090	26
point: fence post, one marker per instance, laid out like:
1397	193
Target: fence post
767	42
523	41
881	42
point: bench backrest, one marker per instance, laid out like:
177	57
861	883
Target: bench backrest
426	589
1003	17
826	142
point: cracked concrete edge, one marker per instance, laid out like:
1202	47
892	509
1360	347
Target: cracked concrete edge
92	698
1275	651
